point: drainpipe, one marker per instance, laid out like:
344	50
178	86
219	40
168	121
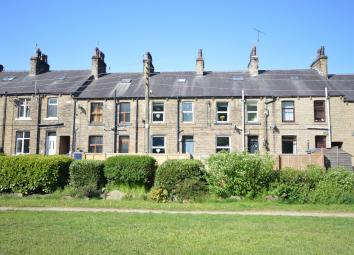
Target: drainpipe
136	124
266	113
115	123
73	142
38	121
4	123
177	124
243	119
329	119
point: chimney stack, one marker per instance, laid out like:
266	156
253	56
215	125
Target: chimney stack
98	65
148	61
39	63
1	68
254	61
199	67
321	62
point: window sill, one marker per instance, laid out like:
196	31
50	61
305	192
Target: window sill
222	123
289	123
253	123
96	124
23	119
51	118
125	124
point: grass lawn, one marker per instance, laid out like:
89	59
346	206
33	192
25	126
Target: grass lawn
6	200
114	233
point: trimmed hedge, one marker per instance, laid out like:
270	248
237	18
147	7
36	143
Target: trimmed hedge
132	170
33	173
87	173
180	180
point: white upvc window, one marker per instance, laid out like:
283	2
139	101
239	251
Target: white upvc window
222	112
22	142
252	111
223	143
158	111
158	144
187	111
52	108
23	108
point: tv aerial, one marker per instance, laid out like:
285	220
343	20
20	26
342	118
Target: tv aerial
258	33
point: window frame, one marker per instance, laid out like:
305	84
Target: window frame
22	140
93	115
120	142
249	137
158	147
253	101
95	145
325	141
187	112
125	114
157	112
222	112
48	104
26	106
293	139
316	108
283	108
228	148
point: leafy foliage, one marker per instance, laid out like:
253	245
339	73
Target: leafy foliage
33	173
240	174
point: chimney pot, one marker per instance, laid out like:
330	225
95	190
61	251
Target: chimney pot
321	62
98	65
39	63
148	61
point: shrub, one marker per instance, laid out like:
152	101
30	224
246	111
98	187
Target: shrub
180	180
240	174
86	177
295	185
131	170
337	186
33	173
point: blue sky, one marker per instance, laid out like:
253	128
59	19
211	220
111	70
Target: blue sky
173	31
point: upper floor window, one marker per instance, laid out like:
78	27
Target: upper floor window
187	111
222	143
288	111
96	112
22	142
222	111
158	144
124	112
52	108
252	111
23	108
319	110
158	111
95	144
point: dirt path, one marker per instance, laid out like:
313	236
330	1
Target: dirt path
147	211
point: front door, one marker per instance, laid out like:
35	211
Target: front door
51	143
187	144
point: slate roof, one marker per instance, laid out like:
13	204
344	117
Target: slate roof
282	83
344	84
53	82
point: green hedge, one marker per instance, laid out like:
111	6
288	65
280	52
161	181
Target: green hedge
33	173
86	177
179	180
240	174
132	170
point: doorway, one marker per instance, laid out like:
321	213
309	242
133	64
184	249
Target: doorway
51	143
187	144
64	145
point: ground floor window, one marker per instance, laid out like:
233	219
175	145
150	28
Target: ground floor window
320	141
95	144
123	144
252	144
222	143
289	144
22	142
158	144
187	144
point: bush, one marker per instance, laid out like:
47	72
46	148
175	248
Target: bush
337	186
180	180
240	174
131	170
296	185
86	177
33	173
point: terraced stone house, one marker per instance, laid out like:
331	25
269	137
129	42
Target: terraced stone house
194	112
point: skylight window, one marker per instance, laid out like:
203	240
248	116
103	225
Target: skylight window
62	77
126	81
181	80
8	78
294	77
237	78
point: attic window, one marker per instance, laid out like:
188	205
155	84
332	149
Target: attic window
8	78
237	78
181	80
126	81
294	77
62	77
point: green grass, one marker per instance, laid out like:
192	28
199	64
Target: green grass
50	201
114	233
